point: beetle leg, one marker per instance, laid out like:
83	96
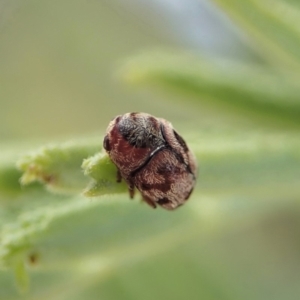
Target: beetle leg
130	185
131	191
119	177
149	201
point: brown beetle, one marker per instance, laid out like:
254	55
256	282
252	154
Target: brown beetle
151	156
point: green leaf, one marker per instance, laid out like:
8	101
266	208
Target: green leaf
254	91
104	174
243	179
58	166
9	179
273	25
18	239
21	275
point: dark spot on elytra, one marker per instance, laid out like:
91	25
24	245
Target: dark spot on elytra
163	187
181	141
178	154
146	186
163	201
106	144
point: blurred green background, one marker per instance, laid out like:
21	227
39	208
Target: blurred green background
226	74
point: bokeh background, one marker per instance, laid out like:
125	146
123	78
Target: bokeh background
226	74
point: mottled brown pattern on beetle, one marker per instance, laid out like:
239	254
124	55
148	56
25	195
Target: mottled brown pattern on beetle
167	172
141	132
165	179
151	156
124	154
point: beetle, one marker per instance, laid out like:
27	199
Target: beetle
152	157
